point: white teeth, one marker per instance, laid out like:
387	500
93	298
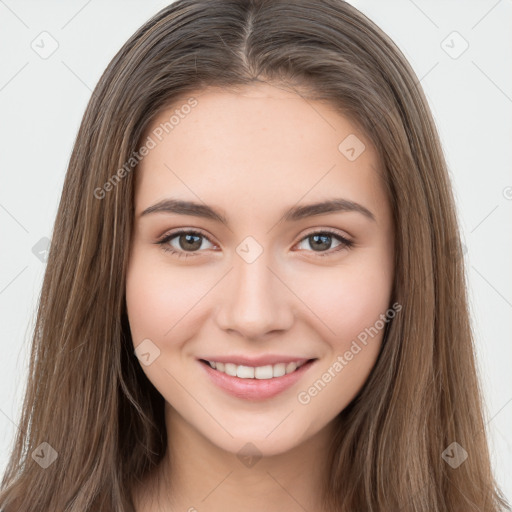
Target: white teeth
291	367
264	372
230	369
245	372
259	372
279	370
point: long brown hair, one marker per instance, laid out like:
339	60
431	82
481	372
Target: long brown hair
87	396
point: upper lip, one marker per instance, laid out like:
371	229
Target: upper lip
268	359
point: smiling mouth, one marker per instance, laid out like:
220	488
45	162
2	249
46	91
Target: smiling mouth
266	372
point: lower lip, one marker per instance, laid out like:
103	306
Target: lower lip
255	389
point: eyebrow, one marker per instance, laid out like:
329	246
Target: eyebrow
292	215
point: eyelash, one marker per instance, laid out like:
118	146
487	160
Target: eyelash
163	242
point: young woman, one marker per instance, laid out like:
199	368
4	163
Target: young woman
253	300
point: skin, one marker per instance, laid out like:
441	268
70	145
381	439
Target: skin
290	300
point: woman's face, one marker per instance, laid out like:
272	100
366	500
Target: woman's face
260	278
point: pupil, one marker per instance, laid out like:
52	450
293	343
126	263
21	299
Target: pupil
188	238
323	244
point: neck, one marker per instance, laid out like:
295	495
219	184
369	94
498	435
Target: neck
198	475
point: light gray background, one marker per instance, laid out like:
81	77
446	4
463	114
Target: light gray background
42	101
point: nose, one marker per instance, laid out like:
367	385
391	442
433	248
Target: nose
255	300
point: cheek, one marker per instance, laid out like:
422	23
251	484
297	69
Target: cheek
345	301
350	304
160	300
347	306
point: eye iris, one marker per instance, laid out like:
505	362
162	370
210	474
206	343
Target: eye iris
323	243
188	237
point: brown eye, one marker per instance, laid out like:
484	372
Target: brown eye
321	242
188	241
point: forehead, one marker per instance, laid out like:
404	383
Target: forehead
260	143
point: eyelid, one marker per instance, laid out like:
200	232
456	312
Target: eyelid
332	231
345	241
199	231
169	235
